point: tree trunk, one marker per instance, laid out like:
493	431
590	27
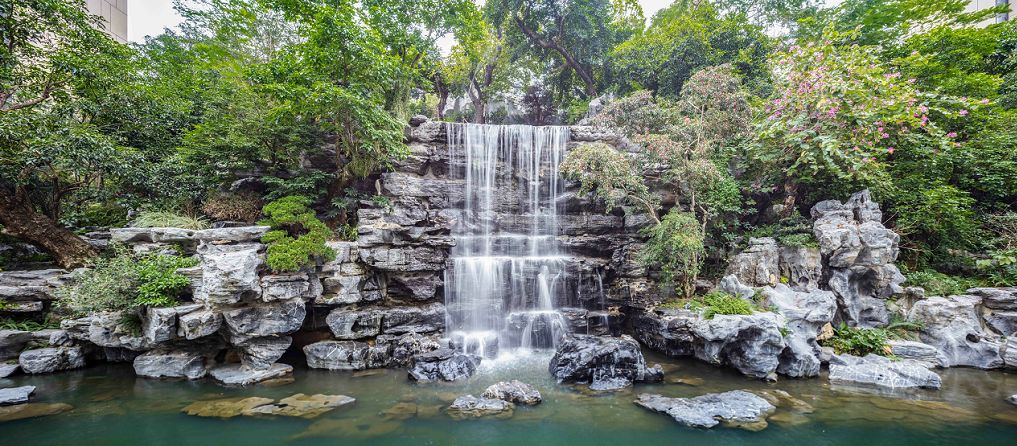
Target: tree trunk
21	220
790	198
591	86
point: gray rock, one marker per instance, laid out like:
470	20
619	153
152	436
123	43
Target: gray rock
229	272
805	313
1012	399
875	370
52	359
670	332
8	369
261	353
238	375
1002	322
425	319
514	392
151	235
736	407
303	406
345	355
603	362
758	264
15	395
917	351
159	325
198	324
801	266
442	365
284	287
235	234
751	344
402	348
351	324
1009	354
862	292
34	306
469	406
105	330
12	342
951	325
264	319
997	298
165	363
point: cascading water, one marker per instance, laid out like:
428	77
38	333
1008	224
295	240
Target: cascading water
507	273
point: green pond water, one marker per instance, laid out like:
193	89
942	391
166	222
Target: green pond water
113	407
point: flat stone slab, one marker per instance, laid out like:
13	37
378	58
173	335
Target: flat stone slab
225	408
298	405
32	410
15	395
878	371
469	406
8	369
237	375
737	408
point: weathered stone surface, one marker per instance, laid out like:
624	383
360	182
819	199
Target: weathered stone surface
159	324
12	342
418	286
951	325
805	313
238	375
105	330
166	363
261	353
758	264
225	408
997	298
229	272
801	266
469	406
513	391
52	359
404	259
425	319
1002	322
352	324
198	324
346	355
862	290
15	395
264	319
606	363
234	234
284	287
402	348
301	405
875	370
917	351
34	306
32	410
736	407
442	365
751	344
151	235
1009	355
667	331
8	369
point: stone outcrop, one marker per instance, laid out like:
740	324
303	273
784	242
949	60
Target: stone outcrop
920	352
879	371
805	313
51	359
514	392
238	375
952	325
346	355
859	253
164	363
442	365
15	395
469	406
605	363
735	408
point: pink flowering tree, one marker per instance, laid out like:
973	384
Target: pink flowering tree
838	116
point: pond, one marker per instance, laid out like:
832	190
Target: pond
113	407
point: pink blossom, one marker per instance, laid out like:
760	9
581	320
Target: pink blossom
951	135
923	109
985	101
963	113
890	150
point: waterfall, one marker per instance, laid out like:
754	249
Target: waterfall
508	273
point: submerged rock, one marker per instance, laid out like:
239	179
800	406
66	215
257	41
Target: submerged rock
301	405
32	410
8	369
736	407
469	406
15	395
606	363
514	392
442	365
52	359
882	372
237	375
225	408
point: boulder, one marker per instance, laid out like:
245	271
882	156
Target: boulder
229	272
345	355
801	266
442	365
805	313
425	319
1009	355
514	392
233	234
51	359
225	408
264	319
736	407
12	342
875	370
951	325
752	344
238	375
8	369
1004	299
301	405
403	348
469	406
198	324
284	287
354	324
15	395
606	363
758	264
105	330
920	352
166	363
670	332
159	324
261	353
133	236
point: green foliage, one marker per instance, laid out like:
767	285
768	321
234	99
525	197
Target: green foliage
609	175
718	302
125	281
27	325
675	247
4	305
101	215
939	284
859	341
1000	269
936	221
297	239
168	219
794	231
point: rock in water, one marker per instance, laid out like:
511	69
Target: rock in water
805	313
303	406
514	392
238	375
52	359
881	372
951	324
15	395
926	354
605	363
346	355
7	369
736	407
469	406
442	365
750	343
225	408
163	363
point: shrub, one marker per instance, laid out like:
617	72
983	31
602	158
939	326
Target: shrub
297	238
1000	269
233	206
11	324
794	231
859	341
124	282
938	284
676	247
103	215
166	219
718	302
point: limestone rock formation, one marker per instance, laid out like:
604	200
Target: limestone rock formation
165	363
921	352
301	405
514	392
229	272
442	365
605	363
469	406
951	324
805	313
15	395
345	355
736	407
51	359
758	264
238	375
879	371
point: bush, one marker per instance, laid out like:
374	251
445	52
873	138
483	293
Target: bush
124	282
297	238
859	341
11	324
676	247
938	284
166	219
794	231
718	302
233	206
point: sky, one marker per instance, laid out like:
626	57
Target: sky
150	17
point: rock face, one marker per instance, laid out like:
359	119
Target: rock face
514	392
264	319
345	355
736	407
859	253
15	395
229	272
758	264
605	363
442	365
52	359
875	370
751	344
805	313
171	364
469	406
237	375
8	369
923	353
951	325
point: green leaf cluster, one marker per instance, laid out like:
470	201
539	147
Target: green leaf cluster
297	239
